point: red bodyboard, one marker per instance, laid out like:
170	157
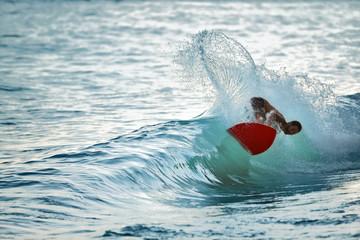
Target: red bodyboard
254	137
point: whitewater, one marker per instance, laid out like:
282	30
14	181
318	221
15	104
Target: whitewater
114	116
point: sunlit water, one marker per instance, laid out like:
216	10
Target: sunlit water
113	119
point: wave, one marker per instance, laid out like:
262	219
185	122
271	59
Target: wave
197	162
11	88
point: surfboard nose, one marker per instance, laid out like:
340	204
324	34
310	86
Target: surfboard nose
253	137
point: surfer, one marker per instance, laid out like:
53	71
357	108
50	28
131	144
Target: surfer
263	111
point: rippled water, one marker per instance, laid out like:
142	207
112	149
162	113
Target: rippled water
113	119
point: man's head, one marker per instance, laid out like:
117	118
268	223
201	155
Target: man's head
292	128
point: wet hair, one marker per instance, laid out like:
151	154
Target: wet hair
298	124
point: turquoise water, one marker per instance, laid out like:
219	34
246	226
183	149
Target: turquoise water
114	115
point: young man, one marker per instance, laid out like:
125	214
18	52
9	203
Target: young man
262	108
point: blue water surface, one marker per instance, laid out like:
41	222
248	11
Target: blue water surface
113	119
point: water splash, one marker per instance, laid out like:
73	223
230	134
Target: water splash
223	70
219	67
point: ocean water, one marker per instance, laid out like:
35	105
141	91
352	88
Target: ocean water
113	119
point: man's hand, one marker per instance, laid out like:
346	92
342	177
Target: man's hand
260	119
